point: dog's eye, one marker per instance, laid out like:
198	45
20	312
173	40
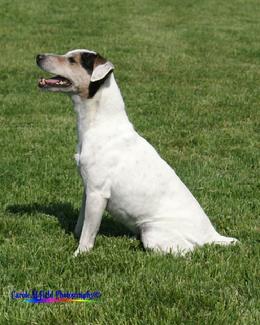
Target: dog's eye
71	60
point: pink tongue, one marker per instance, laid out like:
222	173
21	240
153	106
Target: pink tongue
51	81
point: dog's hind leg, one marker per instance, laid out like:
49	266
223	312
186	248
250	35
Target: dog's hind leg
160	241
79	225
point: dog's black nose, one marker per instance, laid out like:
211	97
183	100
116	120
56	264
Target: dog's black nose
39	58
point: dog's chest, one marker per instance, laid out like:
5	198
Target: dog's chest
101	150
96	160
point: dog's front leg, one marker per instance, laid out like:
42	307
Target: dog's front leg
94	209
80	221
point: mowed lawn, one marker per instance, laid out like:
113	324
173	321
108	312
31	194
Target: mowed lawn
189	72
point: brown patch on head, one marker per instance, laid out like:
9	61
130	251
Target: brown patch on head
90	61
60	59
87	61
74	58
99	60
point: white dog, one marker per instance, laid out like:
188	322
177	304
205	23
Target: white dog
121	171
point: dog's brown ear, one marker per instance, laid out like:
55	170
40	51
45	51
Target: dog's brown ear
101	70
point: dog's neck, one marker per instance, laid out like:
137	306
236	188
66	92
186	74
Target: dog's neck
106	107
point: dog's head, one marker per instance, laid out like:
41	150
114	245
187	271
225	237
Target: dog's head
79	72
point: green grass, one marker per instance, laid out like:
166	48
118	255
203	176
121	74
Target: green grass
189	73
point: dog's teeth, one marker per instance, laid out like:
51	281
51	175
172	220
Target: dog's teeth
42	81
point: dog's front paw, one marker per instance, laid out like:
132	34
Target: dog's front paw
81	250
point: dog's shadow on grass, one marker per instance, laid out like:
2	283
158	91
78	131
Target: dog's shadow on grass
67	216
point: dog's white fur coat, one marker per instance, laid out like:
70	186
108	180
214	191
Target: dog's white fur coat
124	174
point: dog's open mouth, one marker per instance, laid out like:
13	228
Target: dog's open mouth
56	81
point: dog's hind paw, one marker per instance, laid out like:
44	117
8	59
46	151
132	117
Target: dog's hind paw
226	241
